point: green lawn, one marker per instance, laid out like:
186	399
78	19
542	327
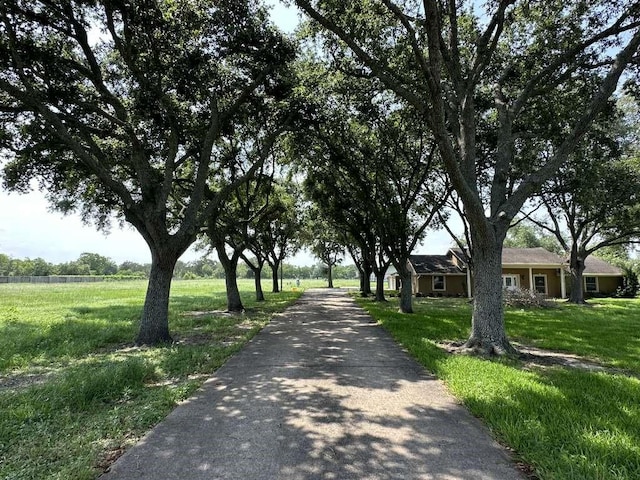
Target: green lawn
566	424
71	380
608	330
73	391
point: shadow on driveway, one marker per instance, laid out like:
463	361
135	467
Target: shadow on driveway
321	393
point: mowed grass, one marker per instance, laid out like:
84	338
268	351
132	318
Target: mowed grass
607	330
74	392
564	423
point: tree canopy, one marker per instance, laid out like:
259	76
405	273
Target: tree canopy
158	112
128	108
593	201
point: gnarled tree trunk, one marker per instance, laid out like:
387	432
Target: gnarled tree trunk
576	266
365	271
154	324
258	283
363	292
256	268
275	288
406	289
380	285
330	276
365	280
487	323
230	265
234	302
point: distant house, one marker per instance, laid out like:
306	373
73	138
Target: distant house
527	268
439	275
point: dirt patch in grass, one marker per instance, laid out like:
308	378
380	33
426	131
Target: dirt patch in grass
217	313
109	457
532	356
19	380
540	358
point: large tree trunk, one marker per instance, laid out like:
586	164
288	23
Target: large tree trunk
154	324
406	289
361	274
576	266
234	302
488	334
256	268
258	283
274	277
365	279
380	285
330	276
230	265
365	283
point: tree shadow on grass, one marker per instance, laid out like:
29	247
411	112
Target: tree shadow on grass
87	329
82	331
590	420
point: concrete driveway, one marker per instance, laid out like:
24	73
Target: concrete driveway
322	392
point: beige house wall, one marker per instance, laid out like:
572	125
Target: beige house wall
609	285
455	285
606	285
554	288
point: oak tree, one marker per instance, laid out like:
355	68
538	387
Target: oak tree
593	203
119	108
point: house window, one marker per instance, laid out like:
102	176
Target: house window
439	283
590	284
510	282
540	283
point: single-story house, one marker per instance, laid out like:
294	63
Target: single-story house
526	268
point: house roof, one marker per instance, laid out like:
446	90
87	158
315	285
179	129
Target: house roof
530	256
444	265
440	264
597	266
523	256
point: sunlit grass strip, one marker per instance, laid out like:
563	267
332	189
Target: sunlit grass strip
606	330
101	395
567	424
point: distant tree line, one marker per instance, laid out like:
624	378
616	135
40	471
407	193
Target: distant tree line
85	264
96	264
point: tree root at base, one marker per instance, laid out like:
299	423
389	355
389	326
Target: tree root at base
489	347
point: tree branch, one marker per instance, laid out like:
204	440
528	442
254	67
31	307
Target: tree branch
597	103
383	72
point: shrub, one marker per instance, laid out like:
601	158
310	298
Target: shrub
523	298
630	284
